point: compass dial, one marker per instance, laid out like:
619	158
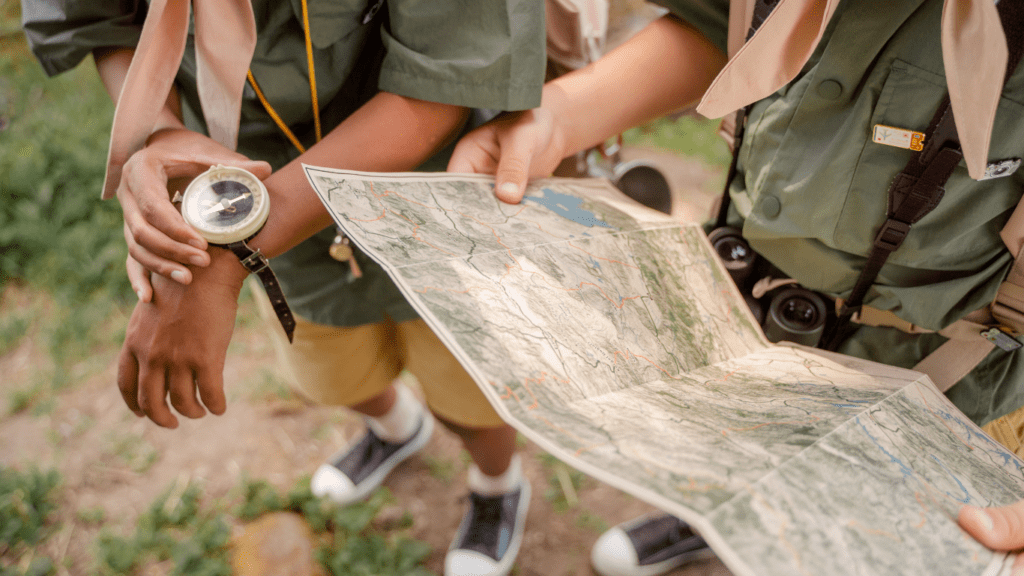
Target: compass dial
225	204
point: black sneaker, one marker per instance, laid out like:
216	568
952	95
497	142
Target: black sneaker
489	537
647	546
352	474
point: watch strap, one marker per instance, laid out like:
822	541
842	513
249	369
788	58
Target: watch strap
256	263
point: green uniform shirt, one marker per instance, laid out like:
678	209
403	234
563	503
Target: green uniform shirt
486	54
811	190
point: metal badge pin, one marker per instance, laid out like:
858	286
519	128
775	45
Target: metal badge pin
898	137
1001	168
1002	339
341	250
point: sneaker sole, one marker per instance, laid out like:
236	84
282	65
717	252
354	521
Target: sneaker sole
375	479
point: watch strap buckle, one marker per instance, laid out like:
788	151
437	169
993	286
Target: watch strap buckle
255	262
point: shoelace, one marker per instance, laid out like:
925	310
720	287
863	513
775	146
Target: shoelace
369	450
486	514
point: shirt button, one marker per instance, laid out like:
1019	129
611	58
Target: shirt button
771	207
830	89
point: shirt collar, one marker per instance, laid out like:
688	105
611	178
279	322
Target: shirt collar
974	55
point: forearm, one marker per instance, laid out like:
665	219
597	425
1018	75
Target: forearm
389	133
667	66
112	65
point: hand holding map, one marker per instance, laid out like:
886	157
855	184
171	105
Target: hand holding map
612	337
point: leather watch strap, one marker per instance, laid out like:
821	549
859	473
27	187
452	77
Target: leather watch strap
255	262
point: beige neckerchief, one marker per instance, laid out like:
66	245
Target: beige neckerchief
225	37
974	56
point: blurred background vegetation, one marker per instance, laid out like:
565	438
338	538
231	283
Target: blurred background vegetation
55	232
56	235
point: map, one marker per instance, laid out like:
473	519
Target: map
610	335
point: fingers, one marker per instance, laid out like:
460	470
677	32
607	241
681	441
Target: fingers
127	377
144	200
477	153
149	261
152	391
508	159
259	169
145	391
151	247
997	528
182	390
513	169
139	279
211	389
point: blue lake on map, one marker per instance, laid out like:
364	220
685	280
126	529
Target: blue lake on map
567	207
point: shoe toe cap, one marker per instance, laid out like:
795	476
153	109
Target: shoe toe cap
330	482
613	554
469	563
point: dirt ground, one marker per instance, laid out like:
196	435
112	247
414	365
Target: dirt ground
110	459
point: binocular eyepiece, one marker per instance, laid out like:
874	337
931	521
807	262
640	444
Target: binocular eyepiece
794	314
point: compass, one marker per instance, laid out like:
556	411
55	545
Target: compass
225	204
228	206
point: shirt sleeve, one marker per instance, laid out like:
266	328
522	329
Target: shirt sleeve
711	17
476	53
63	32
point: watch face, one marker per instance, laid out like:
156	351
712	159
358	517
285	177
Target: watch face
225	204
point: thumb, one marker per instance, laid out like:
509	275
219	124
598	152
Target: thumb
513	170
999	528
260	169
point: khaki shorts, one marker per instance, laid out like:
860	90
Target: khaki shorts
1008	431
342	366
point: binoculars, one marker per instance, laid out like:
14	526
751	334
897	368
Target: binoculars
789	312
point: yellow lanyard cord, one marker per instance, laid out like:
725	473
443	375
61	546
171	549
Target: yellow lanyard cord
312	73
312	90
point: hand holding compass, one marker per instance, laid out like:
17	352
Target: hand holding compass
228	207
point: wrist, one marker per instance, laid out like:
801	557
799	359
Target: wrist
224	269
560	140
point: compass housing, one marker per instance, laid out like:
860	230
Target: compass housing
226	204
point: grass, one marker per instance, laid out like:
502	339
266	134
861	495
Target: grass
564	484
269	386
67	343
440	468
190	535
28	505
131	450
687	135
13	327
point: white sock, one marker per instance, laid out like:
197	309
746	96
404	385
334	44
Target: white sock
399	423
508	481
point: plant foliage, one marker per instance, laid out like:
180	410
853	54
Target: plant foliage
193	536
55	232
28	505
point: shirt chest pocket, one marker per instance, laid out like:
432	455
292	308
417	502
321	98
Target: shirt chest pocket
331	21
952	234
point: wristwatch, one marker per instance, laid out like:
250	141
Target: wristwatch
228	206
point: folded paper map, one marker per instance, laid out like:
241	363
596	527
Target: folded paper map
611	336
